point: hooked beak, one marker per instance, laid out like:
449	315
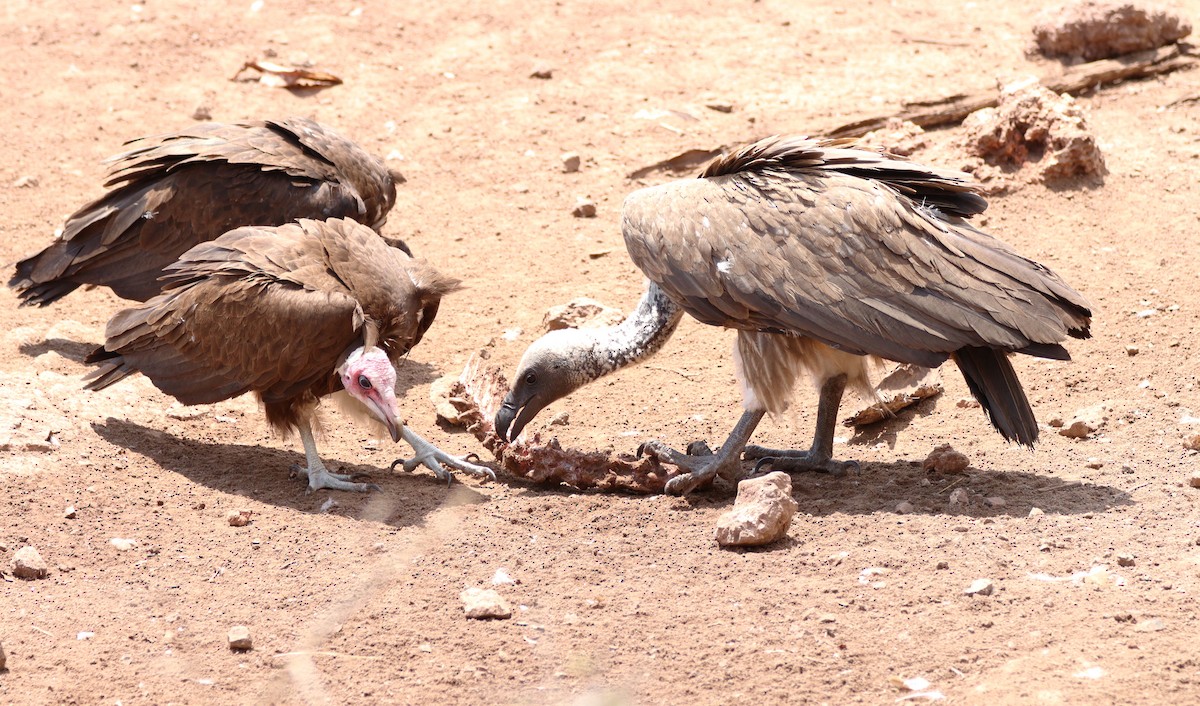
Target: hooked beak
513	416
388	417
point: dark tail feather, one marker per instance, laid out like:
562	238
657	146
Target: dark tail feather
33	293
994	383
110	368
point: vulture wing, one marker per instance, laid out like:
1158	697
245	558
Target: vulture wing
258	309
858	251
174	191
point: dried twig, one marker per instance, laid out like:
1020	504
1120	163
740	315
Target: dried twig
1074	79
689	376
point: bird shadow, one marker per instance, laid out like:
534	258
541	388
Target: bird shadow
262	474
72	350
413	373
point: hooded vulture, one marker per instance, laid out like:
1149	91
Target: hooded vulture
292	313
171	192
822	257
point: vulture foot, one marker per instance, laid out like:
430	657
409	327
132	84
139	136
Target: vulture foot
320	477
790	460
436	460
701	464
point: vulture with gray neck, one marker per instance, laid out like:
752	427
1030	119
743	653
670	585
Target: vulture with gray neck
174	191
293	313
822	257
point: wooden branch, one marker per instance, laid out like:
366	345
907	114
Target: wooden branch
1073	80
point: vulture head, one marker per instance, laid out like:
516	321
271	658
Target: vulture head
553	367
370	378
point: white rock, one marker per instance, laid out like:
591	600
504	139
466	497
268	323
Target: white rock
584	208
980	587
239	638
501	578
761	513
480	603
570	162
85	635
28	564
904	507
1036	512
123	545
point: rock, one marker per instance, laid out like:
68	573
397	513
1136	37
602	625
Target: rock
1132	351
1077	429
960	496
70	513
761	513
123	545
1126	560
202	112
980	587
239	638
1087	421
902	137
1088	30
1033	123
1192	443
238	518
542	71
28	564
904	507
1194	481
481	603
720	106
995	501
501	578
967	403
943	565
25	182
584	208
1094	464
1035	512
945	459
581	313
1151	625
561	419
3	658
570	162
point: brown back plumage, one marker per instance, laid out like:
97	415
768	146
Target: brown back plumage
863	252
272	310
171	192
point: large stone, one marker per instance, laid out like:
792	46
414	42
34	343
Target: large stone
1088	30
761	513
483	603
28	564
239	638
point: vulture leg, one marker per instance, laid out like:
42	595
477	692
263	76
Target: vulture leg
430	456
727	462
319	476
820	456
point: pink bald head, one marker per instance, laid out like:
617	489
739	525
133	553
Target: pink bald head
370	378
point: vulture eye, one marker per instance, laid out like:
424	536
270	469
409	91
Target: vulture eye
530	378
364	382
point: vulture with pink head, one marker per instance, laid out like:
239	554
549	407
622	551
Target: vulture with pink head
171	192
292	313
822	256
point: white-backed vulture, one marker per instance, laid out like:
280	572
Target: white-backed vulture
292	313
822	256
171	192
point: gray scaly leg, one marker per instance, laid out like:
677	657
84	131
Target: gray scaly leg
820	456
319	476
701	469
430	456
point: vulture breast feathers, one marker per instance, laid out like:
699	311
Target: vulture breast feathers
864	253
273	310
171	192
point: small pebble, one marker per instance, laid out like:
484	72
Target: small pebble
561	419
123	545
1078	429
3	658
584	208
25	182
202	112
1151	625
70	512
239	638
980	587
1035	512
1192	443
1132	351
570	162
904	507
238	518
482	603
28	564
720	106
967	403
543	72
960	496
1125	560
1194	481
995	501
1094	463
942	565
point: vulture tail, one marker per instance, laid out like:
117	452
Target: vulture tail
110	368
33	293
993	382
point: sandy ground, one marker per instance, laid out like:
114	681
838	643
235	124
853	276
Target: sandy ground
353	599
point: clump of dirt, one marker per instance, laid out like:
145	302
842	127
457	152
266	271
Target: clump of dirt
1036	126
899	137
1090	30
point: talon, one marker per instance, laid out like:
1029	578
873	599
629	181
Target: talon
472	457
398	461
641	449
764	461
699	448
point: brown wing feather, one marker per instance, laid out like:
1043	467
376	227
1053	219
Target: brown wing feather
852	262
174	191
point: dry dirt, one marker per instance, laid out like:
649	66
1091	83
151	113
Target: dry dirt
620	599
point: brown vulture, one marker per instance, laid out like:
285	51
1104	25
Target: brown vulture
822	256
292	313
171	192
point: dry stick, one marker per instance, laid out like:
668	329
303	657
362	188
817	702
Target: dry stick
680	373
1074	79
